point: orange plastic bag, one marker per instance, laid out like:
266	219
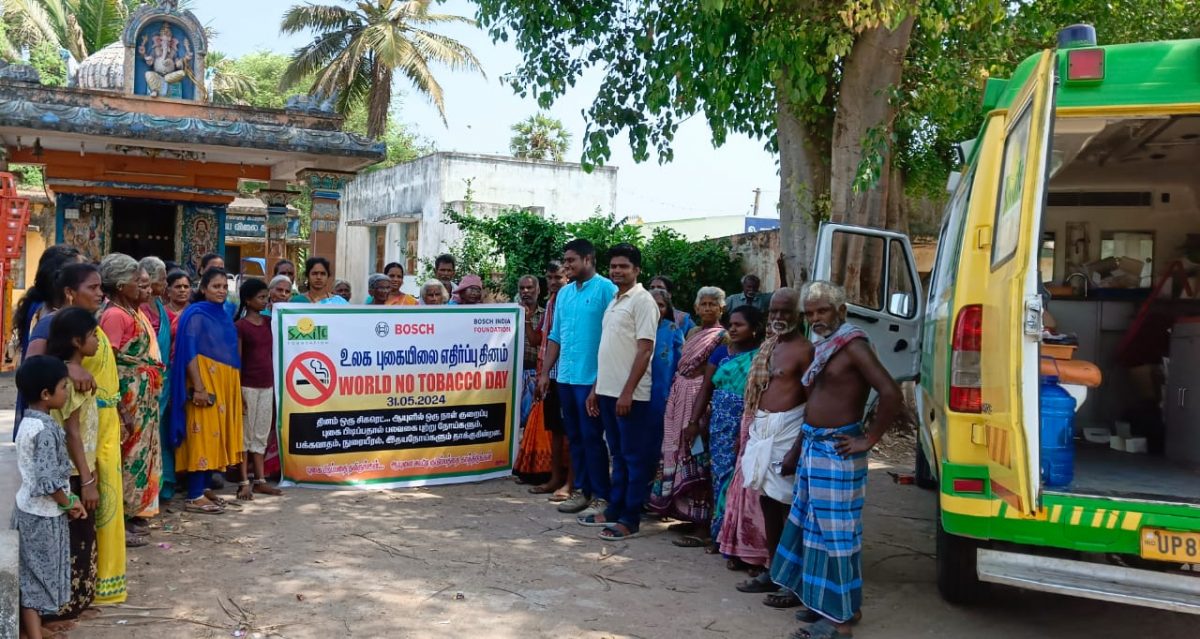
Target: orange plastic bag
533	457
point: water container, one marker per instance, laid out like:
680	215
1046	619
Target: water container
1056	410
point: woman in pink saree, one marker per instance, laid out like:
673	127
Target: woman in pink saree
682	489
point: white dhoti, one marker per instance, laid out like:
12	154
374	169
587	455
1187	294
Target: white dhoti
771	437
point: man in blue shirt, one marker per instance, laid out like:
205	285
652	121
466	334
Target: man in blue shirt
573	346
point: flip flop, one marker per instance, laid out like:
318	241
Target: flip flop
612	533
819	630
590	522
807	615
690	541
203	509
782	599
759	585
538	490
558	497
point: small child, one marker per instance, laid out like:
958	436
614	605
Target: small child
44	501
72	338
258	386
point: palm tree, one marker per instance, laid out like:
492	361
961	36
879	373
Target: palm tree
228	84
82	27
540	137
356	53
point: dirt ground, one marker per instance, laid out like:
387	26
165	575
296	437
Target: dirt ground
490	560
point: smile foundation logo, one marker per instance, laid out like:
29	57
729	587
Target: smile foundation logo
307	331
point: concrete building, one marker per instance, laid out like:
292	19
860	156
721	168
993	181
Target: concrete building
698	228
395	215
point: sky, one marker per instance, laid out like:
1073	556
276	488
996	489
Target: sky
702	181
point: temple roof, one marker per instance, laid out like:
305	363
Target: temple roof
104	70
287	140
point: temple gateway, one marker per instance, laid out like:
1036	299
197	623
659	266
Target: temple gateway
139	161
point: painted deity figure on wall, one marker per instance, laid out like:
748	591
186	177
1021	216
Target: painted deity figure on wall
167	65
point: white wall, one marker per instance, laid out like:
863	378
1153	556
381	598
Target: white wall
421	190
699	228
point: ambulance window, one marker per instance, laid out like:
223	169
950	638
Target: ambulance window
851	252
1046	257
902	291
945	265
1007	231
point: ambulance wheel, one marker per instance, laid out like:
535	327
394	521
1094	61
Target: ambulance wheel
924	471
957	578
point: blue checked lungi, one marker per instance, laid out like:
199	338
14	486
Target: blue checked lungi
820	553
528	386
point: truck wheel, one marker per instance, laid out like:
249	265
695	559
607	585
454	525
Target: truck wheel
924	471
957	578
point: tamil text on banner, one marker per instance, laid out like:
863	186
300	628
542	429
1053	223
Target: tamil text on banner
397	396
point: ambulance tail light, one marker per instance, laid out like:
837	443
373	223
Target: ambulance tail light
965	374
968	486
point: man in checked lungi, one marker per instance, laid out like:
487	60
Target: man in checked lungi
820	554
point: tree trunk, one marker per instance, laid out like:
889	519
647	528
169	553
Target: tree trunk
803	188
380	100
863	127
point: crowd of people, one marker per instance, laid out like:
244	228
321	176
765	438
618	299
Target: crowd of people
728	420
139	379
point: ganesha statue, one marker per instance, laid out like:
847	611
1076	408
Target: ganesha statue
168	62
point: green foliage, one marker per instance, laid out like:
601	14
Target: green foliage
28	174
45	57
691	265
356	52
82	27
540	137
515	243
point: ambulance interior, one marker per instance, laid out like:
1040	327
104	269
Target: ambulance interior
1120	266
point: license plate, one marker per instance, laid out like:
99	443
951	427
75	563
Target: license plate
1166	545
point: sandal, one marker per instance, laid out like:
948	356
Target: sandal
782	599
222	503
134	541
691	541
558	497
618	532
759	585
541	490
210	508
736	565
591	522
682	527
809	616
819	630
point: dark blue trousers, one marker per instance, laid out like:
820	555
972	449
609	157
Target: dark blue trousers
632	439
585	436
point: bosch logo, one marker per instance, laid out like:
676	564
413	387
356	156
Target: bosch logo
381	329
414	329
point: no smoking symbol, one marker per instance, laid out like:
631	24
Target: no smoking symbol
311	379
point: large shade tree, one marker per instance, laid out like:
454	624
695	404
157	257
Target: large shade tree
356	53
856	97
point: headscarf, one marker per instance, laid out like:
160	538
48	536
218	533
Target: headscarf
203	329
467	282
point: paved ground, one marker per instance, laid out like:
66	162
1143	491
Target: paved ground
489	560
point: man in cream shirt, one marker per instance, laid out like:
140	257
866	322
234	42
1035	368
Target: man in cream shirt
621	395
